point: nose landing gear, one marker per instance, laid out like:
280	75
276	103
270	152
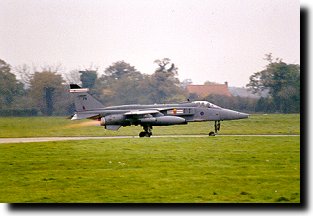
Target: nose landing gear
217	127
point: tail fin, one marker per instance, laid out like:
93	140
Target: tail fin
83	100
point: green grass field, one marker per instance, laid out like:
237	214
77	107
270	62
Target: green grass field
152	170
213	169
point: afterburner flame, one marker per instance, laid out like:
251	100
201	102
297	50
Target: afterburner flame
83	124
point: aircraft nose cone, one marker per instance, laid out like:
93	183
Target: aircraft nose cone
227	114
242	115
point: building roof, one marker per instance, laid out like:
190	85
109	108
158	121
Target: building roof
205	90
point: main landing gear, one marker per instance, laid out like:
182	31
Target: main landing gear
147	131
217	127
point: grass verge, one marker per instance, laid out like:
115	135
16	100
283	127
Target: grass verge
166	170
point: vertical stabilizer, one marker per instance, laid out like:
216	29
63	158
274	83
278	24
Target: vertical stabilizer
83	100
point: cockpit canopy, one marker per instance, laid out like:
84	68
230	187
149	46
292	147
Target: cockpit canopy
206	104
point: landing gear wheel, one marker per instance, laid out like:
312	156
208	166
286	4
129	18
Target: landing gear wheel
142	134
211	133
147	132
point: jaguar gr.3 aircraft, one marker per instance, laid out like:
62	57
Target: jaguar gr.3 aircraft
113	117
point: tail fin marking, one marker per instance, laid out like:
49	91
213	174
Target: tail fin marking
83	100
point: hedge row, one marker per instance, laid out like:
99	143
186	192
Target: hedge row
19	112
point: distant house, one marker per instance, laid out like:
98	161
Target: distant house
209	89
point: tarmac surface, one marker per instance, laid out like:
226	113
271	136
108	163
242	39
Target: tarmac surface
50	139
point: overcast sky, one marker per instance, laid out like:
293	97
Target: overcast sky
215	40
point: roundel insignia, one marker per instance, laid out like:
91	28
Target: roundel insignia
202	113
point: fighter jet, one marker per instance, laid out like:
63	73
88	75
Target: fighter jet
147	116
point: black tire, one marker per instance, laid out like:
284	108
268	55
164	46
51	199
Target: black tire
211	133
142	134
147	134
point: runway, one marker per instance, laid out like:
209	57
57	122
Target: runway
51	139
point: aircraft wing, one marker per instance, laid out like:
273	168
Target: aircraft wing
162	111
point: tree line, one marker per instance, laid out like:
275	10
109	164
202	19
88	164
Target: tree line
26	92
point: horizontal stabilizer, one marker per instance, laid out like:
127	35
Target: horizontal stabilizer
78	116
